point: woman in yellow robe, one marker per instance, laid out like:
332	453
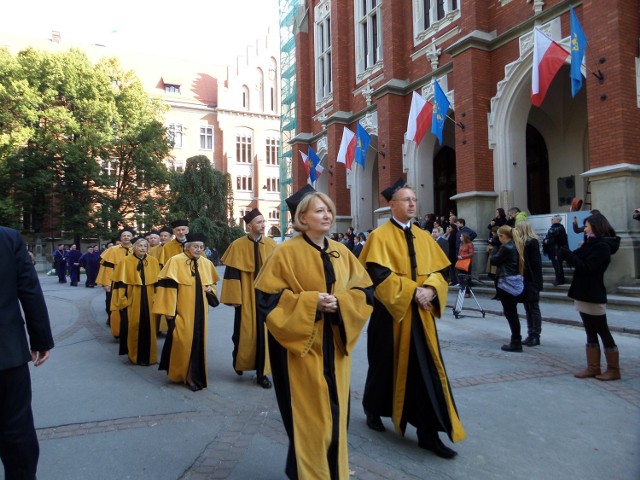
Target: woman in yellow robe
315	298
134	283
183	285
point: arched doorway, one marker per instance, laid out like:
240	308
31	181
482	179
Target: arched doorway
444	180
538	198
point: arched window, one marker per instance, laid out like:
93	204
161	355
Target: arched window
245	97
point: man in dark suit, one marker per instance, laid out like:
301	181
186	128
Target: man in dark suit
19	286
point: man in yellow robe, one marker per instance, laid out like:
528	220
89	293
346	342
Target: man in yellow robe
243	260
154	243
108	261
183	285
315	299
175	246
407	379
134	283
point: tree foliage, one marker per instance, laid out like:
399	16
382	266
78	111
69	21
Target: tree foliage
61	119
201	195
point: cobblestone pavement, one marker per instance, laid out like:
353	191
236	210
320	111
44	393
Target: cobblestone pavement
526	416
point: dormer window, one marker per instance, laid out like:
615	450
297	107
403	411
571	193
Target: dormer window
170	88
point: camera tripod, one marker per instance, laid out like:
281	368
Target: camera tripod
465	282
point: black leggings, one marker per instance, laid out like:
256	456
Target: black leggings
510	307
596	325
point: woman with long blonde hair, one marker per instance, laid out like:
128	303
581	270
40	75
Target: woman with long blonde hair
532	282
509	258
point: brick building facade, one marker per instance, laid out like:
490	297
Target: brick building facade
498	149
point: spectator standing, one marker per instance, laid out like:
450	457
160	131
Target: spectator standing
509	259
532	282
462	228
451	234
499	220
588	291
466	251
556	239
19	292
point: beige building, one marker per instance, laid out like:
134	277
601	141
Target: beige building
229	113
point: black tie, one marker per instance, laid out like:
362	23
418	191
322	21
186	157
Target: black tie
412	251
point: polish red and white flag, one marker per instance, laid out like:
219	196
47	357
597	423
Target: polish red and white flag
420	117
548	58
347	151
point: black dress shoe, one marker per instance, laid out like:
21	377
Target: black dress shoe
238	372
435	445
374	422
264	382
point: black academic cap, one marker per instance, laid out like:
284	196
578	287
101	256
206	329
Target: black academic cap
179	223
167	229
154	232
251	215
126	229
294	200
196	237
388	192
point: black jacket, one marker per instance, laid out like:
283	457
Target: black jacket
19	286
589	262
533	283
506	259
556	238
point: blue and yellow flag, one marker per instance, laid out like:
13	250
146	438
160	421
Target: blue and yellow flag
314	164
363	139
578	47
440	109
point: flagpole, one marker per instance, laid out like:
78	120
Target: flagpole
458	124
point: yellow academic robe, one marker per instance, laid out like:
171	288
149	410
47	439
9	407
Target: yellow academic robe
238	289
127	294
387	247
170	249
175	296
108	261
156	251
288	287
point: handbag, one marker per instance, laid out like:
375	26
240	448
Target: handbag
463	264
512	284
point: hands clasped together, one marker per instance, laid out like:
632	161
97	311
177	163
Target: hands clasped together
327	303
425	297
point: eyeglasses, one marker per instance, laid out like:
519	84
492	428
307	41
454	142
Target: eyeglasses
408	199
196	247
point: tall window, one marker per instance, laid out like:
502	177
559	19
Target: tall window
274	214
175	135
368	17
243	148
323	51
244	183
429	14
245	97
206	138
273	185
272	151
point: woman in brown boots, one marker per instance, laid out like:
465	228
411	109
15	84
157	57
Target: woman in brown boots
587	289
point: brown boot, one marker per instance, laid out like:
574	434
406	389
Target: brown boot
593	362
613	365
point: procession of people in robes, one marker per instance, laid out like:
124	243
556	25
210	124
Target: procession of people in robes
300	307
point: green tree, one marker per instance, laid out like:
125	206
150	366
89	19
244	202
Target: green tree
137	151
201	195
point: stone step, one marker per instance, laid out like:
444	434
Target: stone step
633	291
614	300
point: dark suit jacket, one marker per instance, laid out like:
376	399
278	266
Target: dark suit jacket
19	285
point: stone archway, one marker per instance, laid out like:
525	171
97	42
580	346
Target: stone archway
562	125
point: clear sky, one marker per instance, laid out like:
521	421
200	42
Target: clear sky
215	29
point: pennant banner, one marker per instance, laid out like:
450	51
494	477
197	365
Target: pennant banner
440	109
578	47
420	118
